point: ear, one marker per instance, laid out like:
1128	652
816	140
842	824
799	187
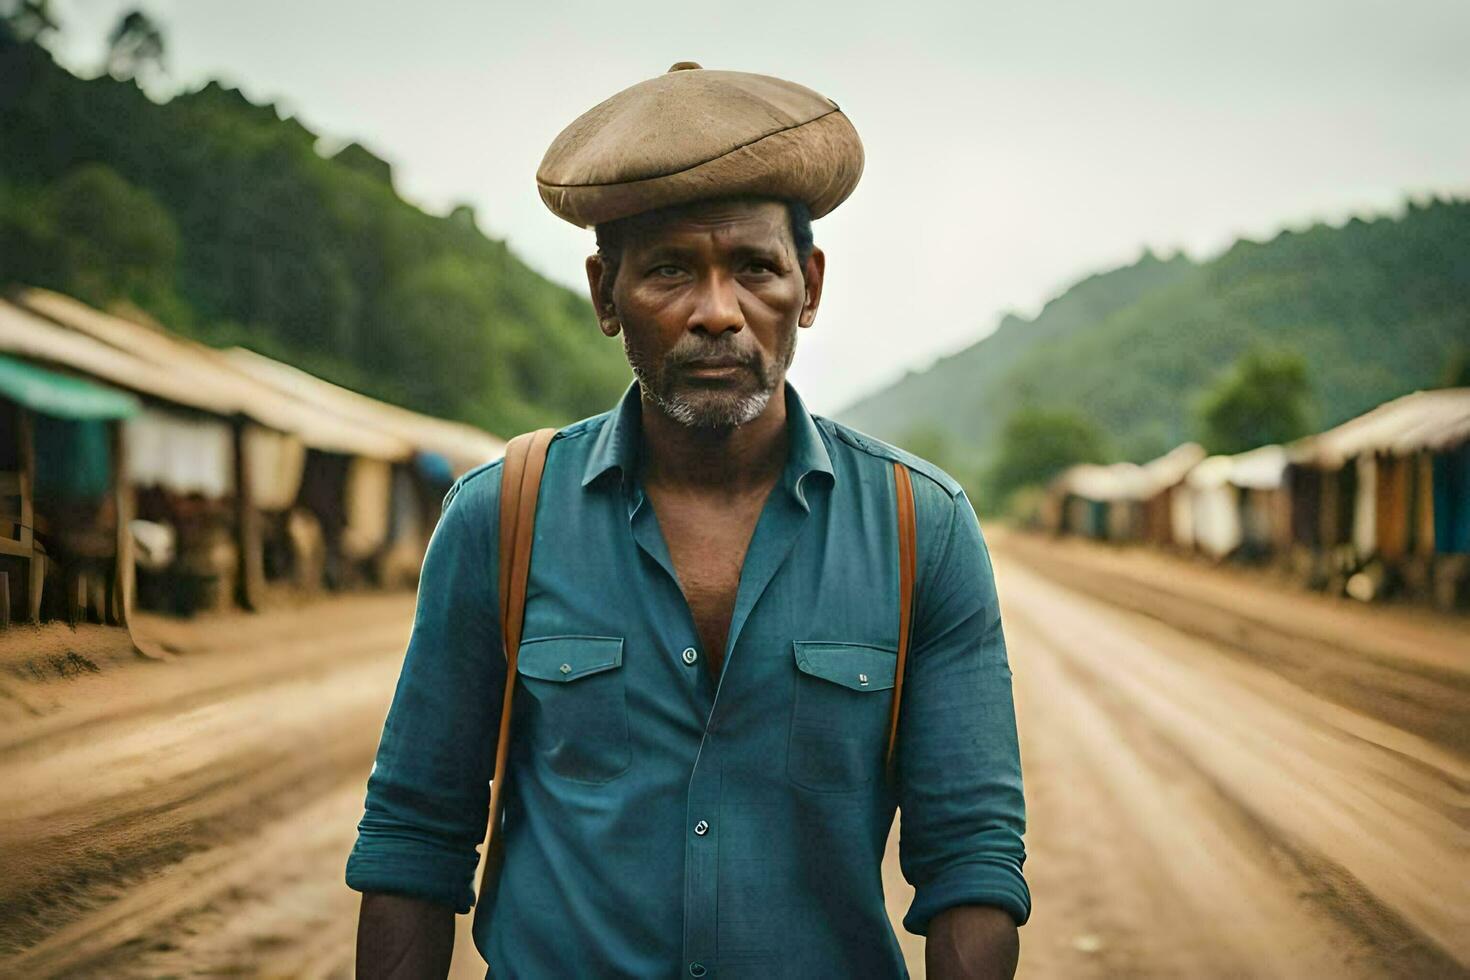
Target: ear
607	316
815	269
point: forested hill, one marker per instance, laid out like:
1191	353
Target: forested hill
1375	309
965	397
224	221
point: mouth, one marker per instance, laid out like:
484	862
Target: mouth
714	368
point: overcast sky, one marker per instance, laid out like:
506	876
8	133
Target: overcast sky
1011	148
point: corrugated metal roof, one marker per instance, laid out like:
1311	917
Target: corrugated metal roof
463	445
1434	420
197	376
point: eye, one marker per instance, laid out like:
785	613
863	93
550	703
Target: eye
666	271
760	265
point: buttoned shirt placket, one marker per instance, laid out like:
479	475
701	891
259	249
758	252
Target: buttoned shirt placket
781	521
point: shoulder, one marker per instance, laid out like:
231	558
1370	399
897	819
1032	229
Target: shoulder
584	429
865	445
481	485
948	531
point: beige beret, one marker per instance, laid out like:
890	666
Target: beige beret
693	133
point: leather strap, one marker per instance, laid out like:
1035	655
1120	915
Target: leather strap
520	486
907	560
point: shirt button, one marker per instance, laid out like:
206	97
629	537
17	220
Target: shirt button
696	969
701	828
690	655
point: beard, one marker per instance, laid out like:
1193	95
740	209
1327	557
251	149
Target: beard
701	403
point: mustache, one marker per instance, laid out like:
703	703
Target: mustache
694	349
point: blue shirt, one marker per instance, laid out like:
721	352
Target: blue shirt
661	824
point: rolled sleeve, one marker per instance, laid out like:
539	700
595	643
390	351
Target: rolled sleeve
428	794
959	767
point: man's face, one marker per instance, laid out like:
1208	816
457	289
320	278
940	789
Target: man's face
709	302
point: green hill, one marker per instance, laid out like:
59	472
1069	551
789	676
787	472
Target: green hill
964	399
1376	308
225	222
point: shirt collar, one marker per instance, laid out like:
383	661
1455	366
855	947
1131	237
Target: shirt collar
616	447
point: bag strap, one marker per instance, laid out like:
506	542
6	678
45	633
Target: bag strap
520	487
907	560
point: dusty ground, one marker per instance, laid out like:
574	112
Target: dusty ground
1224	779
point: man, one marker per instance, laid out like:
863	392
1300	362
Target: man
696	781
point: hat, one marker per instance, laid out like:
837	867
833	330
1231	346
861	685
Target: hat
693	133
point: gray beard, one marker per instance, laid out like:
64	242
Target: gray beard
710	413
707	409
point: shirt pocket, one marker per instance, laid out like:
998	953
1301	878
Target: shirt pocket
576	706
839	714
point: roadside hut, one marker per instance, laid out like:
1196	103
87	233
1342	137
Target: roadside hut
1214	508
1237	506
26	336
1123	501
215	447
391	510
1166	500
1383	497
64	502
1102	502
1265	506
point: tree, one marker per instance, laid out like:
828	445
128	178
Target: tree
464	216
355	156
1263	399
135	47
105	239
438	339
1037	444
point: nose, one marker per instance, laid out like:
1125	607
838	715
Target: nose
716	307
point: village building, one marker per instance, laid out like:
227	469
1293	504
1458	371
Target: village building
1375	506
234	474
1382	501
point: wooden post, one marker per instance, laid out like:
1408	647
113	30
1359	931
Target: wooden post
1327	517
37	578
125	575
1424	504
250	566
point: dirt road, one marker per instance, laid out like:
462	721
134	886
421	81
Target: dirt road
1234	781
1223	780
191	817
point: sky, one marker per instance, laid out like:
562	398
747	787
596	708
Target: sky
1011	149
